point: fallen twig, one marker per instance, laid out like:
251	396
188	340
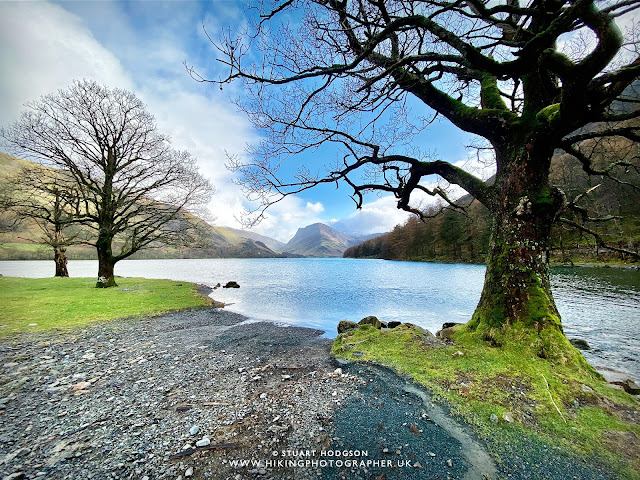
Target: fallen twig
554	403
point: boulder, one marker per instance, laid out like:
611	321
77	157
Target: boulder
232	285
580	344
346	325
393	324
619	379
446	325
371	320
419	329
446	332
628	386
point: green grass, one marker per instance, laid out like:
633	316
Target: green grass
64	303
24	247
486	380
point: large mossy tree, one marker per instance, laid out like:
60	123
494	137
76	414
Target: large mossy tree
133	189
528	77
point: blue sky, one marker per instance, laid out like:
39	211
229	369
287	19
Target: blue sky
141	46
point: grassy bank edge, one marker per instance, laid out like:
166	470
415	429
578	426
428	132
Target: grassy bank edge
47	304
568	408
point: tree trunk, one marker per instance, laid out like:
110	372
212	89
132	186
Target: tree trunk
60	257
106	264
516	304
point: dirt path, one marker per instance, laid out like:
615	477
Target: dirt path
209	394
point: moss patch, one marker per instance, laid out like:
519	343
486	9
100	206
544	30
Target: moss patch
563	402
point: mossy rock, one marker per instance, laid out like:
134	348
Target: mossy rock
346	325
447	332
371	320
424	332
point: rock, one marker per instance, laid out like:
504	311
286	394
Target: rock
494	418
194	430
587	389
419	329
80	386
457	354
15	476
580	344
446	332
371	320
357	354
393	324
629	386
619	379
337	371
508	417
189	472
204	442
346	326
446	325
231	285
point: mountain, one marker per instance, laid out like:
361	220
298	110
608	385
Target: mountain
272	243
21	242
320	240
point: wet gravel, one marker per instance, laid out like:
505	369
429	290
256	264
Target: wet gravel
210	394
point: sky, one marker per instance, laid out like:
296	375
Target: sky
142	46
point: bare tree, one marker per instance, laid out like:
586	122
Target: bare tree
134	188
50	199
367	76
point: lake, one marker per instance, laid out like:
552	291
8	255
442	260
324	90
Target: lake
599	305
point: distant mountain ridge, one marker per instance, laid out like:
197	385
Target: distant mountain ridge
272	243
320	240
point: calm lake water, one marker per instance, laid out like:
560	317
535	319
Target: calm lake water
600	305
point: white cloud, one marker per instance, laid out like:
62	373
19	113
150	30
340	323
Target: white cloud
315	207
285	217
378	216
44	48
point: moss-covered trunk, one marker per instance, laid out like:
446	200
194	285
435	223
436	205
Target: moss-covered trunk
517	290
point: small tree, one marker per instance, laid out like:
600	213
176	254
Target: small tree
134	188
527	77
50	199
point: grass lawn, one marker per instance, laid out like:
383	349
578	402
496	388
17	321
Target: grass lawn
62	303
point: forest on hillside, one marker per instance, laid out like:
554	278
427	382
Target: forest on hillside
454	235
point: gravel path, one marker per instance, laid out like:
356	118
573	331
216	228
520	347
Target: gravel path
210	394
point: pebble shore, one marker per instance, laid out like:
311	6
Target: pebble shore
181	395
